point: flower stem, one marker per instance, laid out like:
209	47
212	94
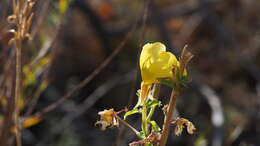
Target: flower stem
155	93
151	112
144	120
168	117
127	125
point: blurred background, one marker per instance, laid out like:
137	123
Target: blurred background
86	52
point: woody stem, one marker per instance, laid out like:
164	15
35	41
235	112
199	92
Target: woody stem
168	117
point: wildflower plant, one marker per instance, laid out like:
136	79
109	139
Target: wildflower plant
157	67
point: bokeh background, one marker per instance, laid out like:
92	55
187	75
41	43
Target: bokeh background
72	38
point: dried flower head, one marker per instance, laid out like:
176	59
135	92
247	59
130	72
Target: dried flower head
22	19
181	123
107	119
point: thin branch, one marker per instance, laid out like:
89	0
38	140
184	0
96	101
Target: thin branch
86	80
93	98
127	125
168	117
18	91
85	106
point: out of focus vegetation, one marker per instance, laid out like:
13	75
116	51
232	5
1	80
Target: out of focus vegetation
64	86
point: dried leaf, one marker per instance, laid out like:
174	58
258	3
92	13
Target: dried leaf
180	125
28	122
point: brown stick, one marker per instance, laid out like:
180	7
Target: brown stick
18	90
168	117
70	94
127	125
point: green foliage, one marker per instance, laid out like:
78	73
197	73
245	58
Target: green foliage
153	103
155	127
131	112
168	82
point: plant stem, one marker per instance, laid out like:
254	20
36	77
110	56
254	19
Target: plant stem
144	120
168	117
155	93
18	90
128	125
151	113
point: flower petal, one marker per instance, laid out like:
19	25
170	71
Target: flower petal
151	51
156	63
162	67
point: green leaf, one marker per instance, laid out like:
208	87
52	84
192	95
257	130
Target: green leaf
169	83
153	103
155	127
131	112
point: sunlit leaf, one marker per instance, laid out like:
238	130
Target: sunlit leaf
131	112
153	103
30	77
30	72
28	122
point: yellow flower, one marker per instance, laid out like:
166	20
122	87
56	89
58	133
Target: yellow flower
156	63
144	92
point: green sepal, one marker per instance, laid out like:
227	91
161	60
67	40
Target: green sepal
153	103
131	112
168	82
138	93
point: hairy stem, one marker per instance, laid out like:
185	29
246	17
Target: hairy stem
168	117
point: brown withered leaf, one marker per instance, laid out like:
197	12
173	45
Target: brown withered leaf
180	125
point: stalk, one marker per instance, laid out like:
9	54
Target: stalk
18	90
144	121
168	117
127	125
